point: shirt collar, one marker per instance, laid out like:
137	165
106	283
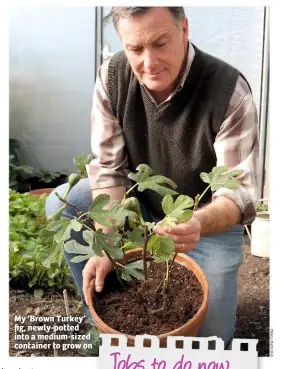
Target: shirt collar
189	60
181	82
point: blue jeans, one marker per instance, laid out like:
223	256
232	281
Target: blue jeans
219	256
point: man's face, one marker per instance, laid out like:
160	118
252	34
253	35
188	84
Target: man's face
155	47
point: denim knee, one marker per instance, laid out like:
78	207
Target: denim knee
80	196
220	257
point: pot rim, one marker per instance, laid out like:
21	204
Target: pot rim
41	191
179	259
263	215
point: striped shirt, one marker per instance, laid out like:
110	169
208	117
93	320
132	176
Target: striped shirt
236	144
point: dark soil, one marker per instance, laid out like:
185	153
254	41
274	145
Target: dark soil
51	304
253	300
252	314
139	310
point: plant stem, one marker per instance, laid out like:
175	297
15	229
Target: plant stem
131	189
122	248
80	216
40	279
67	191
167	275
115	265
166	279
85	225
200	198
195	208
173	260
67	203
144	252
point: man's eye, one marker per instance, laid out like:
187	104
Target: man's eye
136	51
160	44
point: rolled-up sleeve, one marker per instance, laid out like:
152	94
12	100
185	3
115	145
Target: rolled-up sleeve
109	166
237	147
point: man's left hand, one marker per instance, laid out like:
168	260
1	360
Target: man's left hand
186	235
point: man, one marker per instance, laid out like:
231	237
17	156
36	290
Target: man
166	103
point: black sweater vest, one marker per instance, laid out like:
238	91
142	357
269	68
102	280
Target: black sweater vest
176	140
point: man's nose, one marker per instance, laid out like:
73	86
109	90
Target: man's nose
149	60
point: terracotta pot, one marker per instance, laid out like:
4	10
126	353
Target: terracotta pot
190	328
41	191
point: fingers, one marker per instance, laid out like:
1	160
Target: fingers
185	236
87	277
181	238
184	247
97	268
192	226
100	277
178	238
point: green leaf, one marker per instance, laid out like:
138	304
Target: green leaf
182	202
158	260
65	228
59	236
154	183
166	248
231	183
32	242
47	236
176	211
135	270
52	273
222	177
126	275
75	225
144	172
206	177
96	211
161	246
134	239
100	201
114	252
34	207
73	247
54	225
93	241
117	214
167	204
38	293
80	161
53	256
150	226
235	172
109	242
80	258
186	216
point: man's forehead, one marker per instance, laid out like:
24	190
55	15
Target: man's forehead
149	25
146	36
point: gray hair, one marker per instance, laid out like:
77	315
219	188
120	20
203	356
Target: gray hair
118	12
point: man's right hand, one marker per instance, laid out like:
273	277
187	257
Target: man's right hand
97	267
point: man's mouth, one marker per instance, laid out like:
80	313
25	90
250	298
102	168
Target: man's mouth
155	74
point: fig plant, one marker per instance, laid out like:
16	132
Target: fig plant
130	230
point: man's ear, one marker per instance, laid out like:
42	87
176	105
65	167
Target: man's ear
185	29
